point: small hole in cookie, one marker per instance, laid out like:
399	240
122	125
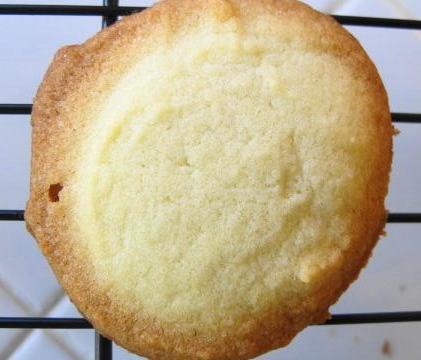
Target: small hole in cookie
53	192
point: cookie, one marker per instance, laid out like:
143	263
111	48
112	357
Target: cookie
208	176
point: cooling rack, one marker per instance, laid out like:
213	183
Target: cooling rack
110	11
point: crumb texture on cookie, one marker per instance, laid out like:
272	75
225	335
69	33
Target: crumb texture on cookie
206	183
226	178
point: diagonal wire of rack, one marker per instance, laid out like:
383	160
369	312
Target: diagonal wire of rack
110	11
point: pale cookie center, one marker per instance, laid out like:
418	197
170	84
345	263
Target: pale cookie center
201	199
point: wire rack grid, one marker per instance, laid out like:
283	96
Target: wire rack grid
110	11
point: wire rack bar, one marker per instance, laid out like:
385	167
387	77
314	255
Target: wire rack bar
81	10
378	22
374	318
103	347
18	215
12	215
110	19
404	218
87	10
337	319
406	118
44	323
16	109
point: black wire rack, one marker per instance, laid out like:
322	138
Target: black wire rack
110	11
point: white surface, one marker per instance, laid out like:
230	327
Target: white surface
9	306
408	8
390	282
38	345
79	342
352	342
24	271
